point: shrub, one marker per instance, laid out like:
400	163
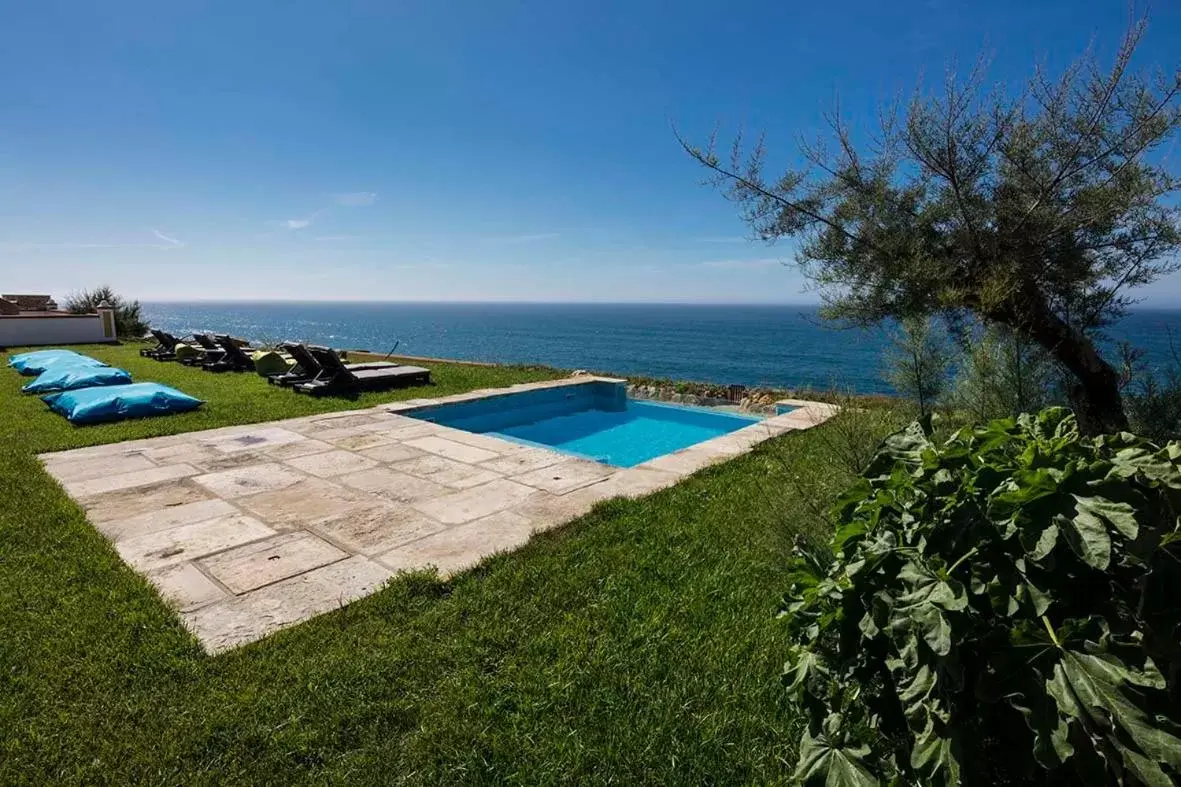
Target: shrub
917	362
1005	374
845	444
999	607
128	321
1154	406
1154	401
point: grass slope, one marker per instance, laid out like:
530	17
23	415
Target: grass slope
637	644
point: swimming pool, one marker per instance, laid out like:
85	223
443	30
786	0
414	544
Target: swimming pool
594	420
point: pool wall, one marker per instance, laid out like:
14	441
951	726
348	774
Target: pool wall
494	413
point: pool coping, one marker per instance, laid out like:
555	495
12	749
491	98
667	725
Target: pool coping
249	529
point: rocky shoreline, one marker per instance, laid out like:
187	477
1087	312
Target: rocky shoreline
760	401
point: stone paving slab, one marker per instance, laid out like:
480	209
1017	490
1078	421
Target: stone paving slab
165	519
151	499
564	476
252	616
188	542
474	503
450	449
461	547
447	472
398	487
248	529
263	562
305	503
120	481
101	466
249	480
185	588
330	463
376	528
252	441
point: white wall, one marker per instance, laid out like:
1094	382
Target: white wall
25	329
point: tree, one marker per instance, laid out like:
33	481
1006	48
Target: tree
128	321
1037	212
917	363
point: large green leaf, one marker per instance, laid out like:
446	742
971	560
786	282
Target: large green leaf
934	756
904	447
1121	515
1160	466
823	763
804	663
1087	536
1103	693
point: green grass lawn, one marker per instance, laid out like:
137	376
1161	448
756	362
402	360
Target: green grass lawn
637	644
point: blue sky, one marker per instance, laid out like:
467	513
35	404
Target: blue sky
435	150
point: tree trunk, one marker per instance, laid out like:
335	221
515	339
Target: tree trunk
1095	393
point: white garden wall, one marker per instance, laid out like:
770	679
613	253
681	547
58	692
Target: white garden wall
20	330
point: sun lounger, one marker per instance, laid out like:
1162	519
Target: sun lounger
337	377
307	367
356	367
163	345
233	358
210	351
165	350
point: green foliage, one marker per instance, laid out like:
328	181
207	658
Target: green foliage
1001	606
1154	401
1154	404
1037	209
1005	374
129	324
917	362
849	440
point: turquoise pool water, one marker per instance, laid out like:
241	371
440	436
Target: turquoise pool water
594	421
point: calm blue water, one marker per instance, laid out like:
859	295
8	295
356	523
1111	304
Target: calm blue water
595	421
780	346
645	430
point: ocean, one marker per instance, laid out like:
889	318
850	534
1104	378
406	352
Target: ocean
778	346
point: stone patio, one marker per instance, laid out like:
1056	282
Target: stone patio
249	529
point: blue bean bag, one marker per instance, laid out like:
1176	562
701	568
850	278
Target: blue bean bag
37	362
19	362
116	402
64	376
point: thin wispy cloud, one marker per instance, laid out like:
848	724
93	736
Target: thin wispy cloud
171	241
529	238
16	246
300	223
759	264
355	199
352	199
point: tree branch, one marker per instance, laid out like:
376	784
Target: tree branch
711	163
